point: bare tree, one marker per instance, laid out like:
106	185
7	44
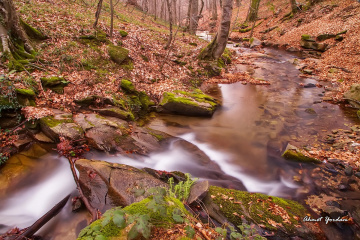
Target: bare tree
214	10
169	6
97	13
112	18
253	10
194	9
217	46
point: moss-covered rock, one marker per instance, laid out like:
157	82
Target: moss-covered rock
353	95
26	97
54	83
127	86
323	37
61	125
32	32
118	54
271	213
194	103
99	37
116	112
292	153
123	33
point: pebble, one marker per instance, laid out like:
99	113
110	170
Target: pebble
343	187
348	171
309	85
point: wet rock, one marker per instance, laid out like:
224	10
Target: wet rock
310	111
61	125
333	203
343	187
41	137
114	184
357	174
198	191
112	134
348	171
116	112
237	207
189	103
292	153
353	95
254	42
333	212
309	85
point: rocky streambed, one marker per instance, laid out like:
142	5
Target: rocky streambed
240	148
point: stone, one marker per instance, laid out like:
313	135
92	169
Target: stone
309	85
353	95
112	134
118	54
54	83
41	137
333	212
339	38
254	42
348	171
114	184
194	103
61	125
323	37
123	33
116	112
292	153
357	174
198	191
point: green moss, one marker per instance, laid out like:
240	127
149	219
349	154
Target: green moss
296	156
127	86
32	32
193	44
98	38
156	134
305	37
145	58
249	29
52	81
199	96
257	208
123	33
157	219
51	122
171	98
358	113
110	230
118	54
25	92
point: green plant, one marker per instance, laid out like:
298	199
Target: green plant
247	232
181	190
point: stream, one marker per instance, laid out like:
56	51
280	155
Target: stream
245	139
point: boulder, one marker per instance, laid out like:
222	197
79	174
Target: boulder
118	54
113	134
198	191
313	45
254	42
116	112
353	95
114	184
56	84
189	103
283	217
61	125
292	153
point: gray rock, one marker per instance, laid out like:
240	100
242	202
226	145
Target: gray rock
254	42
114	184
353	95
357	174
348	171
309	85
198	191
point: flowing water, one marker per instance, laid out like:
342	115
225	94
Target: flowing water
244	140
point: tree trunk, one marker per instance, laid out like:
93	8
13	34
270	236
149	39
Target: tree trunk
293	6
169	6
155	16
112	18
97	14
194	10
10	29
214	10
216	48
253	10
10	23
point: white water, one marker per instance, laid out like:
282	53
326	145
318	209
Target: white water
24	208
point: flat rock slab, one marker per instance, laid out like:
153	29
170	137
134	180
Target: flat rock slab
114	184
198	191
